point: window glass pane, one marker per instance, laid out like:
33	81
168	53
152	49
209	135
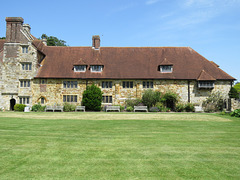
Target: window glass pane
30	66
25	83
123	84
143	84
22	66
28	100
151	84
131	84
20	99
110	99
24	100
103	99
75	98
103	84
147	84
64	98
110	84
28	83
68	98
42	100
106	99
127	84
106	84
68	84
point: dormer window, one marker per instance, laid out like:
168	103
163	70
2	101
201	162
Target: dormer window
96	68
206	84
80	68
166	68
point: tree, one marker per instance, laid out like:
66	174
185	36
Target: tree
237	87
92	98
233	93
53	41
2	37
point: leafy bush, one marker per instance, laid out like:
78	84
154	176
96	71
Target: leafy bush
129	109
92	98
38	108
170	99
235	113
19	107
150	98
180	107
153	109
189	107
121	107
161	107
214	102
233	93
68	107
133	102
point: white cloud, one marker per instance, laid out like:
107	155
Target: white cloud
149	2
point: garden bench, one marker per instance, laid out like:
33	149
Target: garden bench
113	108
80	108
140	108
49	108
58	108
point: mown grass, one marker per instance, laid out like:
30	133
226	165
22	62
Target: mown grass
119	146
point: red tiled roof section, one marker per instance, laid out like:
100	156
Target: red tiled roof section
166	62
205	77
2	41
127	63
39	45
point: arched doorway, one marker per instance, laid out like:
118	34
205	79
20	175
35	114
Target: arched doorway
12	104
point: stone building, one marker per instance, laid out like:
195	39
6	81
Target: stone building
32	72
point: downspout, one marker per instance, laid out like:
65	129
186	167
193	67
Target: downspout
189	91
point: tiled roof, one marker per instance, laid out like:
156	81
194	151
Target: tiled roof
2	41
127	63
205	77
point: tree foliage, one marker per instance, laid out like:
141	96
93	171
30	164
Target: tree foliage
53	41
237	87
2	37
92	98
214	102
233	93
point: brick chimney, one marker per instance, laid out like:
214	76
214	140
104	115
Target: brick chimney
14	25
96	41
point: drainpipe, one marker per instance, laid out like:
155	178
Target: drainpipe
189	92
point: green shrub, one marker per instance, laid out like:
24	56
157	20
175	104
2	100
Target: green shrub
189	107
129	109
150	98
235	113
170	100
92	98
121	107
153	109
180	107
161	107
133	102
68	107
19	107
233	93
214	102
38	108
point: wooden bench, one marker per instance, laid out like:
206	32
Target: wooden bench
140	108
53	109
58	108
113	108
49	108
80	108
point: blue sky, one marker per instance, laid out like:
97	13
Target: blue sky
211	27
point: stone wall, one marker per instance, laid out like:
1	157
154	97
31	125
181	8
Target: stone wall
235	104
53	91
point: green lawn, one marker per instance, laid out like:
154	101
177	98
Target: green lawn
119	146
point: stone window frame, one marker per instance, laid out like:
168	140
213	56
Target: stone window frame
24	100
24	83
96	68
70	84
107	99
107	84
70	98
166	68
205	84
147	84
25	49
26	66
77	68
127	84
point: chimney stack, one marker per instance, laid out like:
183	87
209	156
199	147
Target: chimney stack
14	25
96	41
